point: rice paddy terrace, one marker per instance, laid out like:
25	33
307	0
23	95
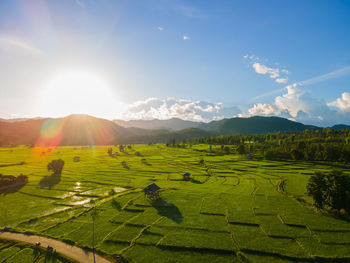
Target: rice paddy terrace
232	209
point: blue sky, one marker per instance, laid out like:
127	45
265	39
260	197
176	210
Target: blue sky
198	60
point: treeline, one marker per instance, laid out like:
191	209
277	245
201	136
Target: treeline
314	145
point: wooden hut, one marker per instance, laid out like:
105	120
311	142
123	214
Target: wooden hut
76	159
152	191
186	176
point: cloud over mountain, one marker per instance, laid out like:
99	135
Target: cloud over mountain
155	108
300	105
342	103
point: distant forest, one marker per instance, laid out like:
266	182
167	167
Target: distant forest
312	145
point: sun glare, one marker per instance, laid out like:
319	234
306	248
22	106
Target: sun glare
79	92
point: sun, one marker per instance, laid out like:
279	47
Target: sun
79	92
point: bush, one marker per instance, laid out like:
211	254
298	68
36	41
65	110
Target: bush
330	189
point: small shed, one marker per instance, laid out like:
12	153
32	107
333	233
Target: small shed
137	153
152	191
76	159
186	176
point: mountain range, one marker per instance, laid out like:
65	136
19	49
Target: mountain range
89	130
174	124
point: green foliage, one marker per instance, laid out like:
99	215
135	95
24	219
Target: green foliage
330	189
310	145
241	149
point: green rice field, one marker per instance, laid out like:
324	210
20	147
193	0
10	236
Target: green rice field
233	208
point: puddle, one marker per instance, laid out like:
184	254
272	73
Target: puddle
83	202
77	186
119	189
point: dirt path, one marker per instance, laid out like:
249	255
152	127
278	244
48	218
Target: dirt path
61	247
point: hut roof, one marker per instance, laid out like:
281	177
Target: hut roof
186	174
151	188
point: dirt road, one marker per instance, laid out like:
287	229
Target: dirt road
73	252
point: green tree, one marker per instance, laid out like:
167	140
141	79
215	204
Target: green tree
56	166
330	189
241	149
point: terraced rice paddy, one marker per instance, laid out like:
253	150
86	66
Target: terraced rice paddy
233	209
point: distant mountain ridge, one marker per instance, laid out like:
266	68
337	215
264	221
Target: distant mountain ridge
88	130
173	124
254	125
340	127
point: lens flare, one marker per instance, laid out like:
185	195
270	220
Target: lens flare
50	137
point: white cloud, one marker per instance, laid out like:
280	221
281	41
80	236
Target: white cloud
301	106
160	28
281	80
342	103
274	73
263	109
279	75
330	75
154	108
261	69
186	37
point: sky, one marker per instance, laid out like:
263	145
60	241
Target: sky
197	60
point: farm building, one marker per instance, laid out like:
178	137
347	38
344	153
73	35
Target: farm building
186	176
152	191
76	159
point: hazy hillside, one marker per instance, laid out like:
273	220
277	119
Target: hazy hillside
70	130
173	124
88	130
84	130
253	125
340	127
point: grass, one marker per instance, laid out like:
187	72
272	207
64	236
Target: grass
236	212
